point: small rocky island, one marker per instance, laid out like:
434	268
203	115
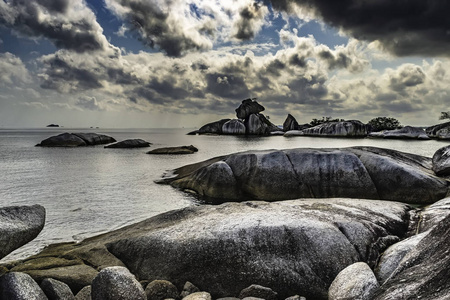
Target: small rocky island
78	139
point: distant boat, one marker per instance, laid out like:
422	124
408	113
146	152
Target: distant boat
53	125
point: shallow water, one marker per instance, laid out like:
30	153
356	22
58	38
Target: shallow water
91	190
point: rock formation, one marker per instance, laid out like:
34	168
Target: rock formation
290	123
131	143
406	132
234	127
441	161
76	140
247	108
351	128
19	225
439	131
358	172
174	150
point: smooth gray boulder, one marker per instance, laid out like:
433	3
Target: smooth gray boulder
407	132
293	133
160	290
258	291
290	123
392	257
439	131
433	214
356	282
19	225
352	128
20	286
424	272
441	161
84	293
174	150
248	107
56	290
357	172
116	283
258	124
76	140
234	127
198	296
211	128
130	143
188	289
288	246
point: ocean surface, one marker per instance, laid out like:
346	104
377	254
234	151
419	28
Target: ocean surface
90	190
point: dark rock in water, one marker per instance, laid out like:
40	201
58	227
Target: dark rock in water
290	123
160	290
248	107
212	128
116	283
20	286
288	246
19	225
174	150
441	161
425	271
357	281
439	131
235	127
131	143
76	140
407	132
56	290
257	124
52	125
351	128
358	172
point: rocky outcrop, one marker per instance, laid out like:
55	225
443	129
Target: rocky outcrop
288	246
76	140
247	108
174	150
234	127
20	286
290	123
19	225
439	131
352	128
211	128
358	172
406	132
130	143
441	161
423	273
257	124
357	281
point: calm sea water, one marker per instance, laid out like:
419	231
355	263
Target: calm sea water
91	190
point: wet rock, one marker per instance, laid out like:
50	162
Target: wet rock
20	286
441	161
116	283
130	143
160	290
56	290
174	150
19	225
357	282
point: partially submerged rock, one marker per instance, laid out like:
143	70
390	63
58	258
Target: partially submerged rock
174	150
407	132
19	225
76	140
441	161
352	128
357	172
130	143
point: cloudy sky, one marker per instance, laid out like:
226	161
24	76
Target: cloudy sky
182	63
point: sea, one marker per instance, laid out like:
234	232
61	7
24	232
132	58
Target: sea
87	191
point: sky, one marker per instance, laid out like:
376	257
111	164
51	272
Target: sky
184	63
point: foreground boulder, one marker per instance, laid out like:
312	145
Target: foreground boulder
174	150
116	283
351	128
19	225
423	273
357	172
76	140
292	247
20	286
130	143
441	161
407	132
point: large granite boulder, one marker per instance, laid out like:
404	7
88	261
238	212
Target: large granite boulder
248	107
258	124
424	272
439	131
351	128
19	225
20	286
211	128
234	127
76	140
357	172
56	290
407	132
290	123
130	143
441	161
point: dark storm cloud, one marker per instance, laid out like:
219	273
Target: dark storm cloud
275	66
410	27
248	23
67	24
